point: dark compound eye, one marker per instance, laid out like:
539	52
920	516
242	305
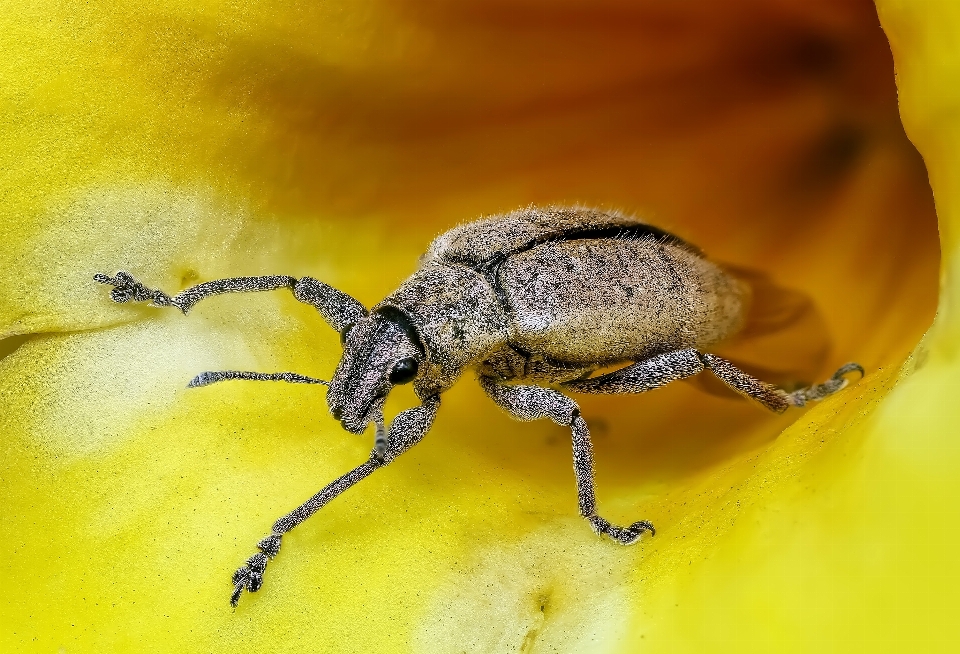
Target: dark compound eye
345	332
404	371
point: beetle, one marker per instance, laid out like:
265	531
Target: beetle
537	301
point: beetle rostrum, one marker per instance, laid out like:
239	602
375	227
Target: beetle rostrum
536	301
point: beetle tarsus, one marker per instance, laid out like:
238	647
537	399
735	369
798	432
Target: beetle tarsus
623	535
270	545
250	576
643	525
818	392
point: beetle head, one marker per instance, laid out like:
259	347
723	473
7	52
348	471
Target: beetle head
379	351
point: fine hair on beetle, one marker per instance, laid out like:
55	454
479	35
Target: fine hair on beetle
540	302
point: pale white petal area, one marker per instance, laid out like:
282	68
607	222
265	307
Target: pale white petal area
170	236
87	390
560	589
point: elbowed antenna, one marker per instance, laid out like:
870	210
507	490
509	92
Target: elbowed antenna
338	309
212	377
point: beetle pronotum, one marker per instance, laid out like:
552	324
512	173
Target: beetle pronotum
537	301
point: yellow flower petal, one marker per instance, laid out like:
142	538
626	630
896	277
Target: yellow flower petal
185	141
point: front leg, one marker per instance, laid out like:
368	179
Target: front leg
406	430
534	402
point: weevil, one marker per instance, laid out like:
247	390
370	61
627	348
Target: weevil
539	302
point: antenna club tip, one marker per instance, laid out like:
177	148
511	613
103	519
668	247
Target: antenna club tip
203	379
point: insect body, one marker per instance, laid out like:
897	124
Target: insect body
536	301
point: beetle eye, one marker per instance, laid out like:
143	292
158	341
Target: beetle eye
345	332
404	371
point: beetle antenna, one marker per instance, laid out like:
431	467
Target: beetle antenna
207	378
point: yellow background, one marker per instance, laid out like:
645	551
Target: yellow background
190	141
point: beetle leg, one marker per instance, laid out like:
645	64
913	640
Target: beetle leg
406	430
337	308
664	368
644	375
769	395
819	391
534	402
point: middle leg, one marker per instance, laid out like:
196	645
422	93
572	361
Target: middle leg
534	402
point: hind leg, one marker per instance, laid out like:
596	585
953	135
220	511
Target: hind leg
664	368
770	396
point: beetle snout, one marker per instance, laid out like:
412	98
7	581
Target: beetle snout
373	350
353	416
353	426
336	410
